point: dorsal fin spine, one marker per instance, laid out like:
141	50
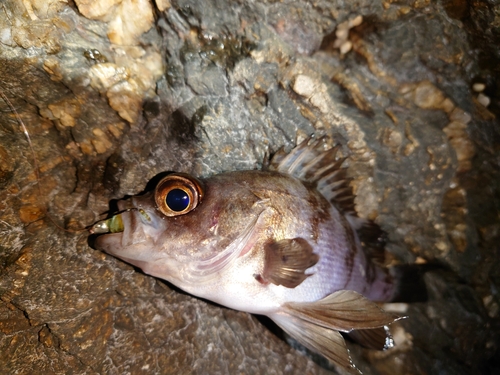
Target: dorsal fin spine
296	164
325	171
309	162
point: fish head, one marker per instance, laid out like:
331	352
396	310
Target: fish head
184	229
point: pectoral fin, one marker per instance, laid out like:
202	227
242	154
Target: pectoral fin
287	260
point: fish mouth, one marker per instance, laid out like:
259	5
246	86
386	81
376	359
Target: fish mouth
108	234
134	223
112	225
115	223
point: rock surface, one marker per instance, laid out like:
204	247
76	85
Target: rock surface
97	97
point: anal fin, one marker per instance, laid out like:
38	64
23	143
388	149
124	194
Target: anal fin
316	324
344	310
375	338
287	260
327	342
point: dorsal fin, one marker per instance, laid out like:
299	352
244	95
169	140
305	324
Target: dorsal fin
373	240
310	162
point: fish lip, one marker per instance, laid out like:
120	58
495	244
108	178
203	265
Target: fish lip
139	222
107	241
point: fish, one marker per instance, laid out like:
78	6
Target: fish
284	242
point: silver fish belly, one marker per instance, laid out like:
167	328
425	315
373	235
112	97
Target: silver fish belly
282	243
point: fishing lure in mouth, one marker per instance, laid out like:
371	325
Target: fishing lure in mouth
282	242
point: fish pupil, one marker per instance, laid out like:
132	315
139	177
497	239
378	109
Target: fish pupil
177	200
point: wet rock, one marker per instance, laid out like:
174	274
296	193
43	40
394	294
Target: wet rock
109	101
6	167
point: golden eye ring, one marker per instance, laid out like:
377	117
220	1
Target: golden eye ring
178	194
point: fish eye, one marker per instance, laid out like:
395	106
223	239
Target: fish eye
177	200
177	194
